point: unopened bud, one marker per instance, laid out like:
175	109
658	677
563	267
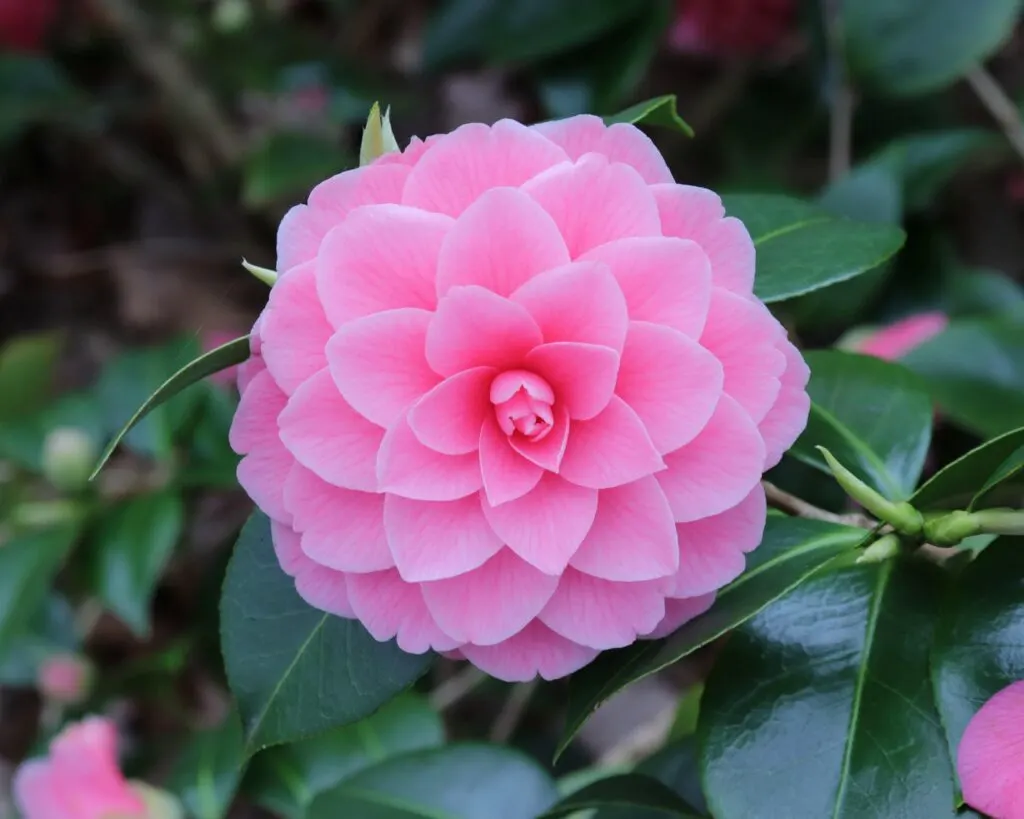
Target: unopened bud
378	138
68	457
264	274
881	550
950	529
65	678
903	517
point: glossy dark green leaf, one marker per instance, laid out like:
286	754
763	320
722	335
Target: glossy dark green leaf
227	355
975	371
297	671
50	631
792	551
26	374
873	415
659	111
643	796
456	782
132	546
1009	476
288	164
802	248
905	47
956	484
821	706
983	293
285	779
979	642
207	773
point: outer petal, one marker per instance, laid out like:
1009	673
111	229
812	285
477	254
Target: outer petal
743	336
536	650
379	365
582	375
324	589
577	302
341	529
633	536
507	475
38	791
679	611
671	382
288	548
388	607
594	202
459	167
491	603
502	240
330	438
711	549
382	257
474	327
717	469
433	541
294	329
787	419
609	450
693	213
545	526
407	468
548	452
603	614
449	417
665	280
991	756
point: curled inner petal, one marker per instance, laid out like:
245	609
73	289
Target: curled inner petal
522	404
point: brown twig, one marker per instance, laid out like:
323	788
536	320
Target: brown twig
842	99
792	505
999	105
512	712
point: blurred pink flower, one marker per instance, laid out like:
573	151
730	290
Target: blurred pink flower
898	339
25	23
990	760
80	779
512	396
731	27
65	678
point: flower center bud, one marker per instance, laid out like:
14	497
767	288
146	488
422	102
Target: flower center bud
522	404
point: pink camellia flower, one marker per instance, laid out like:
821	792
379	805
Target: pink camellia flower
65	678
512	396
731	27
24	23
898	339
80	779
990	760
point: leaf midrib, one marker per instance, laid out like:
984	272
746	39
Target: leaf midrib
791	228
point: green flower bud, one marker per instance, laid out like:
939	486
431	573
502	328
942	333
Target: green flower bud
950	529
68	457
885	547
903	517
378	138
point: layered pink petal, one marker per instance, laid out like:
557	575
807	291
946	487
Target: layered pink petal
503	240
990	759
340	528
577	302
664	280
324	589
582	375
327	436
536	650
449	417
389	607
433	541
288	548
712	549
295	329
506	474
743	335
670	381
620	142
548	452
787	418
490	603
545	526
718	468
382	257
474	158
601	613
474	327
610	449
633	536
594	202
679	611
379	365
407	468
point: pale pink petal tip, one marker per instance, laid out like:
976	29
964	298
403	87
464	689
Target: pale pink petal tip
990	760
898	339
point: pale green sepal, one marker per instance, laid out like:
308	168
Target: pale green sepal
264	274
378	138
903	517
886	547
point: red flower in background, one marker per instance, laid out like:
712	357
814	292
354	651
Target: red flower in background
745	27
24	23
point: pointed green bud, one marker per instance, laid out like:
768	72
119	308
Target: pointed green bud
885	547
903	517
264	274
950	529
1000	521
378	138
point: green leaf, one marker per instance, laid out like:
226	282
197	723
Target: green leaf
26	374
1010	471
295	670
802	248
909	47
840	719
457	782
220	358
132	546
957	484
32	90
287	165
791	551
207	774
659	111
873	415
983	292
975	371
28	564
50	631
285	779
979	641
641	795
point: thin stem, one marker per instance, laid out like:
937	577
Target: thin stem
798	507
842	100
512	712
456	687
999	105
642	741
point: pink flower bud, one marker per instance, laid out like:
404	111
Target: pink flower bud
25	23
731	27
65	678
899	338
